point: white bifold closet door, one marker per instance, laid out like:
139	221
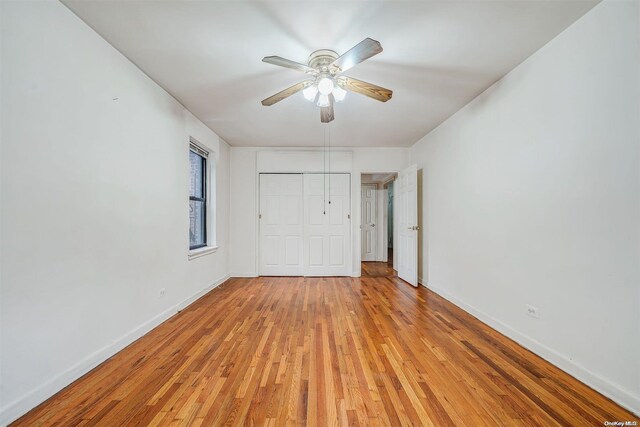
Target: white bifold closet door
281	224
327	208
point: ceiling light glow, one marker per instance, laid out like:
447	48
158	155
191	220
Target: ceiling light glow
325	86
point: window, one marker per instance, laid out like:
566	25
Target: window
197	197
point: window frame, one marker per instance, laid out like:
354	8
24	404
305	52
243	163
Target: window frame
205	187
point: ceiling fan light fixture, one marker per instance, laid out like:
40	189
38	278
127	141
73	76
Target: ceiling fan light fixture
325	86
323	100
339	93
310	93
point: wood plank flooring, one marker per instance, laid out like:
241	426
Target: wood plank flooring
322	352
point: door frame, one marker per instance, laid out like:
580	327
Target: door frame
358	218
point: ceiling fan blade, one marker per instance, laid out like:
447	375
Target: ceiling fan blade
363	50
282	62
286	93
326	113
364	88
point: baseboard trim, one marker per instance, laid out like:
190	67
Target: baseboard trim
24	404
244	274
619	395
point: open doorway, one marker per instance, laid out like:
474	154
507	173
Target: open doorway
377	229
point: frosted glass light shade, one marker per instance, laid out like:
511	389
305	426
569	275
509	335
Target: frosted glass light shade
339	93
323	100
310	93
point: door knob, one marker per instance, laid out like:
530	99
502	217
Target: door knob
373	225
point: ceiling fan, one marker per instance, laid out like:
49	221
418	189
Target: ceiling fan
327	84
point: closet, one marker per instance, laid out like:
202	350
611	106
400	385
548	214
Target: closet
304	224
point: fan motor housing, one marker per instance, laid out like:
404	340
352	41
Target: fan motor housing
322	58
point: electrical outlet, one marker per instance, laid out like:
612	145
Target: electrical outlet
533	311
161	293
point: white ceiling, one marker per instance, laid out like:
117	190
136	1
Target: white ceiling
438	55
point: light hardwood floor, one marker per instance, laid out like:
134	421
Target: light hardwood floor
337	351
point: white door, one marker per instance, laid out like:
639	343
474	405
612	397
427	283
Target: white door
327	207
281	224
368	224
407	201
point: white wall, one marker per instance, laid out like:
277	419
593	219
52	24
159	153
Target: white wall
94	203
531	195
242	259
244	209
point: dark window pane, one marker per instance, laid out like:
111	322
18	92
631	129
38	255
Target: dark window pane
197	202
196	175
196	223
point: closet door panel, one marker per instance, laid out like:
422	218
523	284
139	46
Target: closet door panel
339	224
314	216
316	251
336	251
327	224
281	225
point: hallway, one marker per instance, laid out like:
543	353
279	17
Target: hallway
379	269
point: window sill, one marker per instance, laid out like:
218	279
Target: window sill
197	253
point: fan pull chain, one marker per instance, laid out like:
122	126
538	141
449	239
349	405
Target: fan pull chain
324	171
329	127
